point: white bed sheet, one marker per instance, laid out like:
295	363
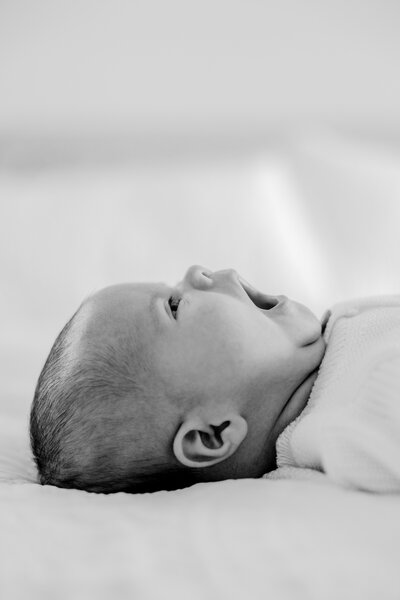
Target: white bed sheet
283	539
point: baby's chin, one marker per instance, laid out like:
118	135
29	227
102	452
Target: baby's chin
309	329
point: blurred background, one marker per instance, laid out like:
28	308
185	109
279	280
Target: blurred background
138	137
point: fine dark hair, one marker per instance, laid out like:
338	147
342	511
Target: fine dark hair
68	426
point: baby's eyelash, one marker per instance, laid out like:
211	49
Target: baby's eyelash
173	303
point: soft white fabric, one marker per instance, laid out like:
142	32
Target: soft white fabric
287	540
350	428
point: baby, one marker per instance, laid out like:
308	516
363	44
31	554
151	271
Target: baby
150	387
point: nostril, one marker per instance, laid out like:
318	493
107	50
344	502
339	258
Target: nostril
207	281
200	277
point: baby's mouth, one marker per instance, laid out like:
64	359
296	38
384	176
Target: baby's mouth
263	301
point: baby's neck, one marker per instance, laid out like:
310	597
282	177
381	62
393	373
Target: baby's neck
297	401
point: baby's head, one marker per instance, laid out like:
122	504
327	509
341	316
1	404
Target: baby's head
150	387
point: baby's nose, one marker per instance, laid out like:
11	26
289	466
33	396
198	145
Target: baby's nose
198	277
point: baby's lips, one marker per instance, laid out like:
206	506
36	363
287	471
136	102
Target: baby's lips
260	299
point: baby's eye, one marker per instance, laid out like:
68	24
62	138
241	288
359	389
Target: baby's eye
174	302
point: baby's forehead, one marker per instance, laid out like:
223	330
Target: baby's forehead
121	312
121	293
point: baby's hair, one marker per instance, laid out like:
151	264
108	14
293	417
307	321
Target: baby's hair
74	437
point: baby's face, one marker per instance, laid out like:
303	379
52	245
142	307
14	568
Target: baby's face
213	336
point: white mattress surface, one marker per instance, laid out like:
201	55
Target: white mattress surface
283	539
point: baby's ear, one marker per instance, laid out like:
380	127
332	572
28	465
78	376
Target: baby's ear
199	443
